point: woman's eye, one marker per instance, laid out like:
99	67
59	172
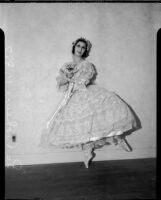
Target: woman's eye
80	46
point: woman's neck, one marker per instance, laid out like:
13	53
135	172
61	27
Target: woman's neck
77	59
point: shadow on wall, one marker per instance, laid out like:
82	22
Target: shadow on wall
138	122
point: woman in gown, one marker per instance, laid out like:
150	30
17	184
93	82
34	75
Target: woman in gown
89	116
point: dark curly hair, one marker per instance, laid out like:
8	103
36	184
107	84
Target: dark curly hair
86	53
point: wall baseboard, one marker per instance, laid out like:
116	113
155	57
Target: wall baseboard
76	156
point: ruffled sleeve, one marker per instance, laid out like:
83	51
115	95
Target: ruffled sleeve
86	74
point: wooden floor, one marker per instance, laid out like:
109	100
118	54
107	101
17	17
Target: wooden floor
105	180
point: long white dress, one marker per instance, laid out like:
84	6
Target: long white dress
88	113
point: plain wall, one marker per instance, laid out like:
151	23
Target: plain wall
38	41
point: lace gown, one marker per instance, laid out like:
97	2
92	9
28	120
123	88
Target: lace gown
87	113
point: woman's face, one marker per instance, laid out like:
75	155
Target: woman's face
80	48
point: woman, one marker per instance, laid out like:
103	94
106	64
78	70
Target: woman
88	116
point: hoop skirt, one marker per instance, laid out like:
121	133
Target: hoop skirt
88	112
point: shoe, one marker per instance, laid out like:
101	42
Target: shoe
87	158
88	150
